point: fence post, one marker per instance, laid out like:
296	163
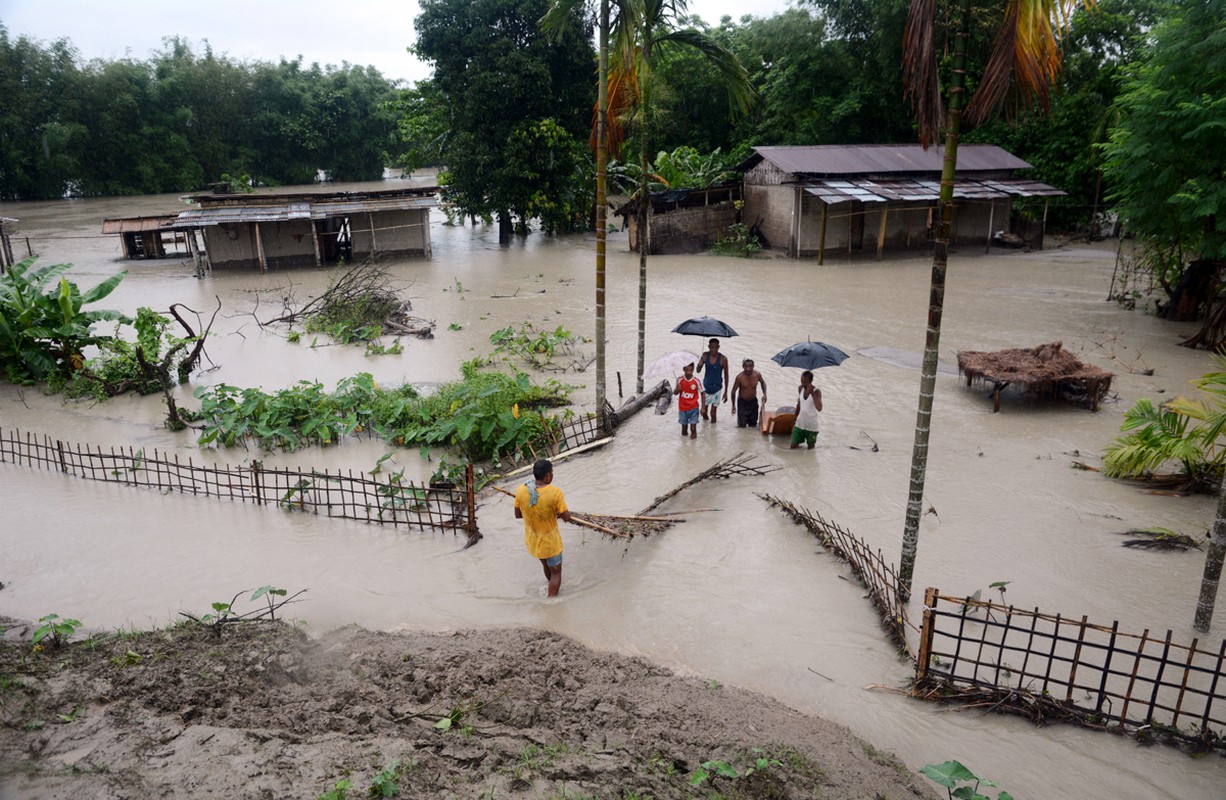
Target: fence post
59	447
470	499
926	633
255	482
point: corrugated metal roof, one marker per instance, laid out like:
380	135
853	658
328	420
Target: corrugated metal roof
138	224
201	217
868	191
884	159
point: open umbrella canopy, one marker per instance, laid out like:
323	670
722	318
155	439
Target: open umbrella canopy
670	364
809	355
705	326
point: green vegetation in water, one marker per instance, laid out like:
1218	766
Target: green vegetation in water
1185	431
483	416
44	326
532	346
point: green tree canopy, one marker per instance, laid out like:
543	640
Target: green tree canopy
1165	157
497	72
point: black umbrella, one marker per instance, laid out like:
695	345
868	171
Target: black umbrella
809	355
705	326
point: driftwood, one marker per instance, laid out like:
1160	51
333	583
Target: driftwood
1159	539
738	464
636	404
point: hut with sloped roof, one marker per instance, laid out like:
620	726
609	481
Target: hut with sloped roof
1047	371
823	199
267	230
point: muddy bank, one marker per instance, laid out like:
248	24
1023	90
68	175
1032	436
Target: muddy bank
263	711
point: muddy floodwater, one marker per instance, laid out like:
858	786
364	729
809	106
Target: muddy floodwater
739	594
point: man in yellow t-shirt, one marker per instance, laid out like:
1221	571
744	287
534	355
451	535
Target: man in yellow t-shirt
539	504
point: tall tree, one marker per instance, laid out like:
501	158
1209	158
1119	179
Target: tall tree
643	37
560	11
1165	156
497	71
1020	71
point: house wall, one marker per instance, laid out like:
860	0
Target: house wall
390	233
770	208
685	230
288	244
230	245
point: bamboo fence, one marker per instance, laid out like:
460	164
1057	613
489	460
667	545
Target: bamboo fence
879	577
339	494
1050	667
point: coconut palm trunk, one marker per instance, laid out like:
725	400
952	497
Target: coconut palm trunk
936	306
1213	567
602	169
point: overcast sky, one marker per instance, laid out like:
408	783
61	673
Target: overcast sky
362	32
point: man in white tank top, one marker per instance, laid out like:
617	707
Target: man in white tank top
808	403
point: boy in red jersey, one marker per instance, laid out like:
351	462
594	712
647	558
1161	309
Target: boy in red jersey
687	404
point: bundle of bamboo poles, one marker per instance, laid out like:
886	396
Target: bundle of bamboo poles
618	526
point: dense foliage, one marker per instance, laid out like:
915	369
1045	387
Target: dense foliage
1165	157
516	106
1186	431
181	121
44	325
483	416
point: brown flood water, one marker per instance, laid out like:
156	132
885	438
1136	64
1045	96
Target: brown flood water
741	594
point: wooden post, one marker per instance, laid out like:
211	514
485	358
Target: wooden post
370	220
470	499
59	446
319	258
1072	676
1043	230
259	250
255	481
991	217
927	630
821	242
885	208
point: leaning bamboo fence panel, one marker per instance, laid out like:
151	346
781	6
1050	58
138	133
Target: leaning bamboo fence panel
1051	667
339	494
880	578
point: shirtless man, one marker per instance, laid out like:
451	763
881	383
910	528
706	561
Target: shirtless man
745	395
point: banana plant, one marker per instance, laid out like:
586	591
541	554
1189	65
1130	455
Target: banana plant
43	324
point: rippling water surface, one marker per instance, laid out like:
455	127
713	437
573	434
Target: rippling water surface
739	594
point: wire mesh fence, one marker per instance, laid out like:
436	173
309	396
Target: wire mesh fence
332	493
1051	667
879	577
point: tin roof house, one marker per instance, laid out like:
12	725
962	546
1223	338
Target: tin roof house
286	229
839	198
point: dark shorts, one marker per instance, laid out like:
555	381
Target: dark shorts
746	413
688	417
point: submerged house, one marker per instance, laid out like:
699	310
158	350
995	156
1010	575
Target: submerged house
844	198
149	237
270	230
684	220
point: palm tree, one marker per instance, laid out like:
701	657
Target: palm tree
1021	70
643	37
554	21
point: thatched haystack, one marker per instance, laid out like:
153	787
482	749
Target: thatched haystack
1046	371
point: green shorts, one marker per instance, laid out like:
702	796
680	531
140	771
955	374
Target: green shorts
800	435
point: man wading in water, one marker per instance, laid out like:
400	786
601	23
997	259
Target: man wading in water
716	378
539	504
